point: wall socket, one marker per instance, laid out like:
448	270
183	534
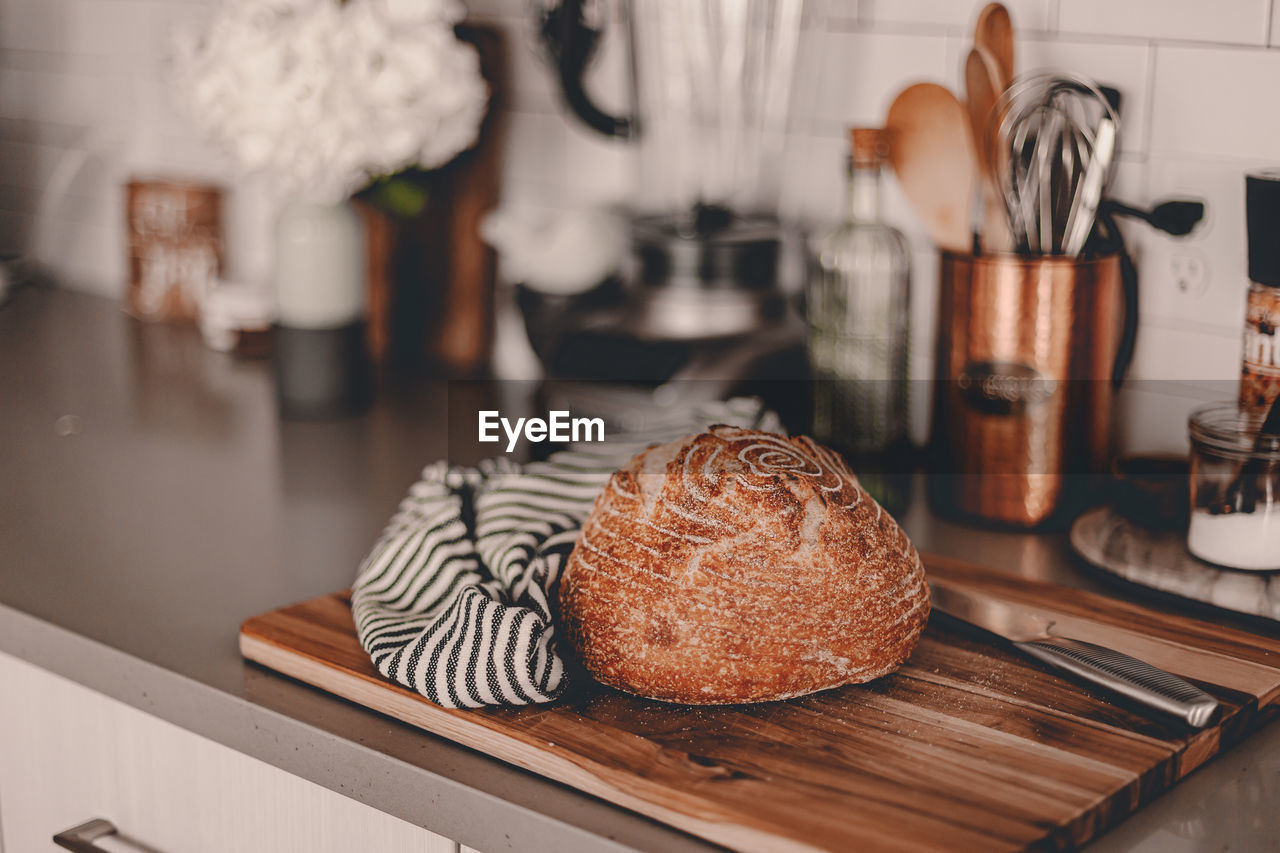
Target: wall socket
1189	270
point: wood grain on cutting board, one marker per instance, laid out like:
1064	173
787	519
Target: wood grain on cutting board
968	746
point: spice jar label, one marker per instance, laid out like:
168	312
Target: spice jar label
1260	372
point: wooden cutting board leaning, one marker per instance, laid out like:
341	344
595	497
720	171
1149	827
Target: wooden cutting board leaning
968	747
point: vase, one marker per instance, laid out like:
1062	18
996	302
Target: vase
431	276
322	365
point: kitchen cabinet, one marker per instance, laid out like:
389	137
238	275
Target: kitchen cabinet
68	754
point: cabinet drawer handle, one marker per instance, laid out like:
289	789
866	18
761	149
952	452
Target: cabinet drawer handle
85	837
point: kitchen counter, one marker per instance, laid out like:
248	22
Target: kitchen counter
152	500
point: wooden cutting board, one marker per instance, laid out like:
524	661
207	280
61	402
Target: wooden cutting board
967	747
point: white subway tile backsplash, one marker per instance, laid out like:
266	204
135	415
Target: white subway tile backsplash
165	21
1122	66
1200	278
80	74
843	12
250	208
1130	179
1216	102
93	207
137	33
157	110
1225	21
560	160
860	73
1178	354
183	157
39	132
98	28
813	187
532	86
32	165
1026	14
807	83
33	24
55	63
79	99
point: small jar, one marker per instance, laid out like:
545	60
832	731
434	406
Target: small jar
1235	490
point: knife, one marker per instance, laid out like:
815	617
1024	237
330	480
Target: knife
1029	632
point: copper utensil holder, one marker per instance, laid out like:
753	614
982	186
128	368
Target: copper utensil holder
1023	397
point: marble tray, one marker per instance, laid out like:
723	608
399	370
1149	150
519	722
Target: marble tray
1160	560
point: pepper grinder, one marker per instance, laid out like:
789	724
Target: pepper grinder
1260	371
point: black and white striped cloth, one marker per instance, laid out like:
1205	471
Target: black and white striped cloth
454	599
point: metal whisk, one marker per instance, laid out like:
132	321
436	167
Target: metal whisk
1053	156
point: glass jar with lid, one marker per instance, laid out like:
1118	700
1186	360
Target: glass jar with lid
1235	489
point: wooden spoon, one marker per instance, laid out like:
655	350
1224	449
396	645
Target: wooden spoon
994	33
982	90
932	152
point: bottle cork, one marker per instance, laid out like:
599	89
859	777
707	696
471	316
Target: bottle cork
869	146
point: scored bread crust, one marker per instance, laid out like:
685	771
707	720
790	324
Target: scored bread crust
740	566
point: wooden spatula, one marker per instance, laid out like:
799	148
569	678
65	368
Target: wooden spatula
982	90
994	33
932	152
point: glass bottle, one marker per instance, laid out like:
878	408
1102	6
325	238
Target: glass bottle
857	306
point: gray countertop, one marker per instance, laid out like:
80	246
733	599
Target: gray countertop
151	500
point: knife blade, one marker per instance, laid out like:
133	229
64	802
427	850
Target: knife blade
1032	634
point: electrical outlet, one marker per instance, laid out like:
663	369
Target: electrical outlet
1189	271
1198	280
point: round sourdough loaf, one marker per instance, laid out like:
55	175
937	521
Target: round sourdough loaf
740	566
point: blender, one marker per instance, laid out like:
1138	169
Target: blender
710	84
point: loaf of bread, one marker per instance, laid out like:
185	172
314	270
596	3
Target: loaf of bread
740	566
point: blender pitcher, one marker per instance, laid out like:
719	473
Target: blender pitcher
710	84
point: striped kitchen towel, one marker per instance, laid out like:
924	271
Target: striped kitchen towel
454	600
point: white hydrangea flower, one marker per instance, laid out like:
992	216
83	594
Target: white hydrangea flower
411	11
326	96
